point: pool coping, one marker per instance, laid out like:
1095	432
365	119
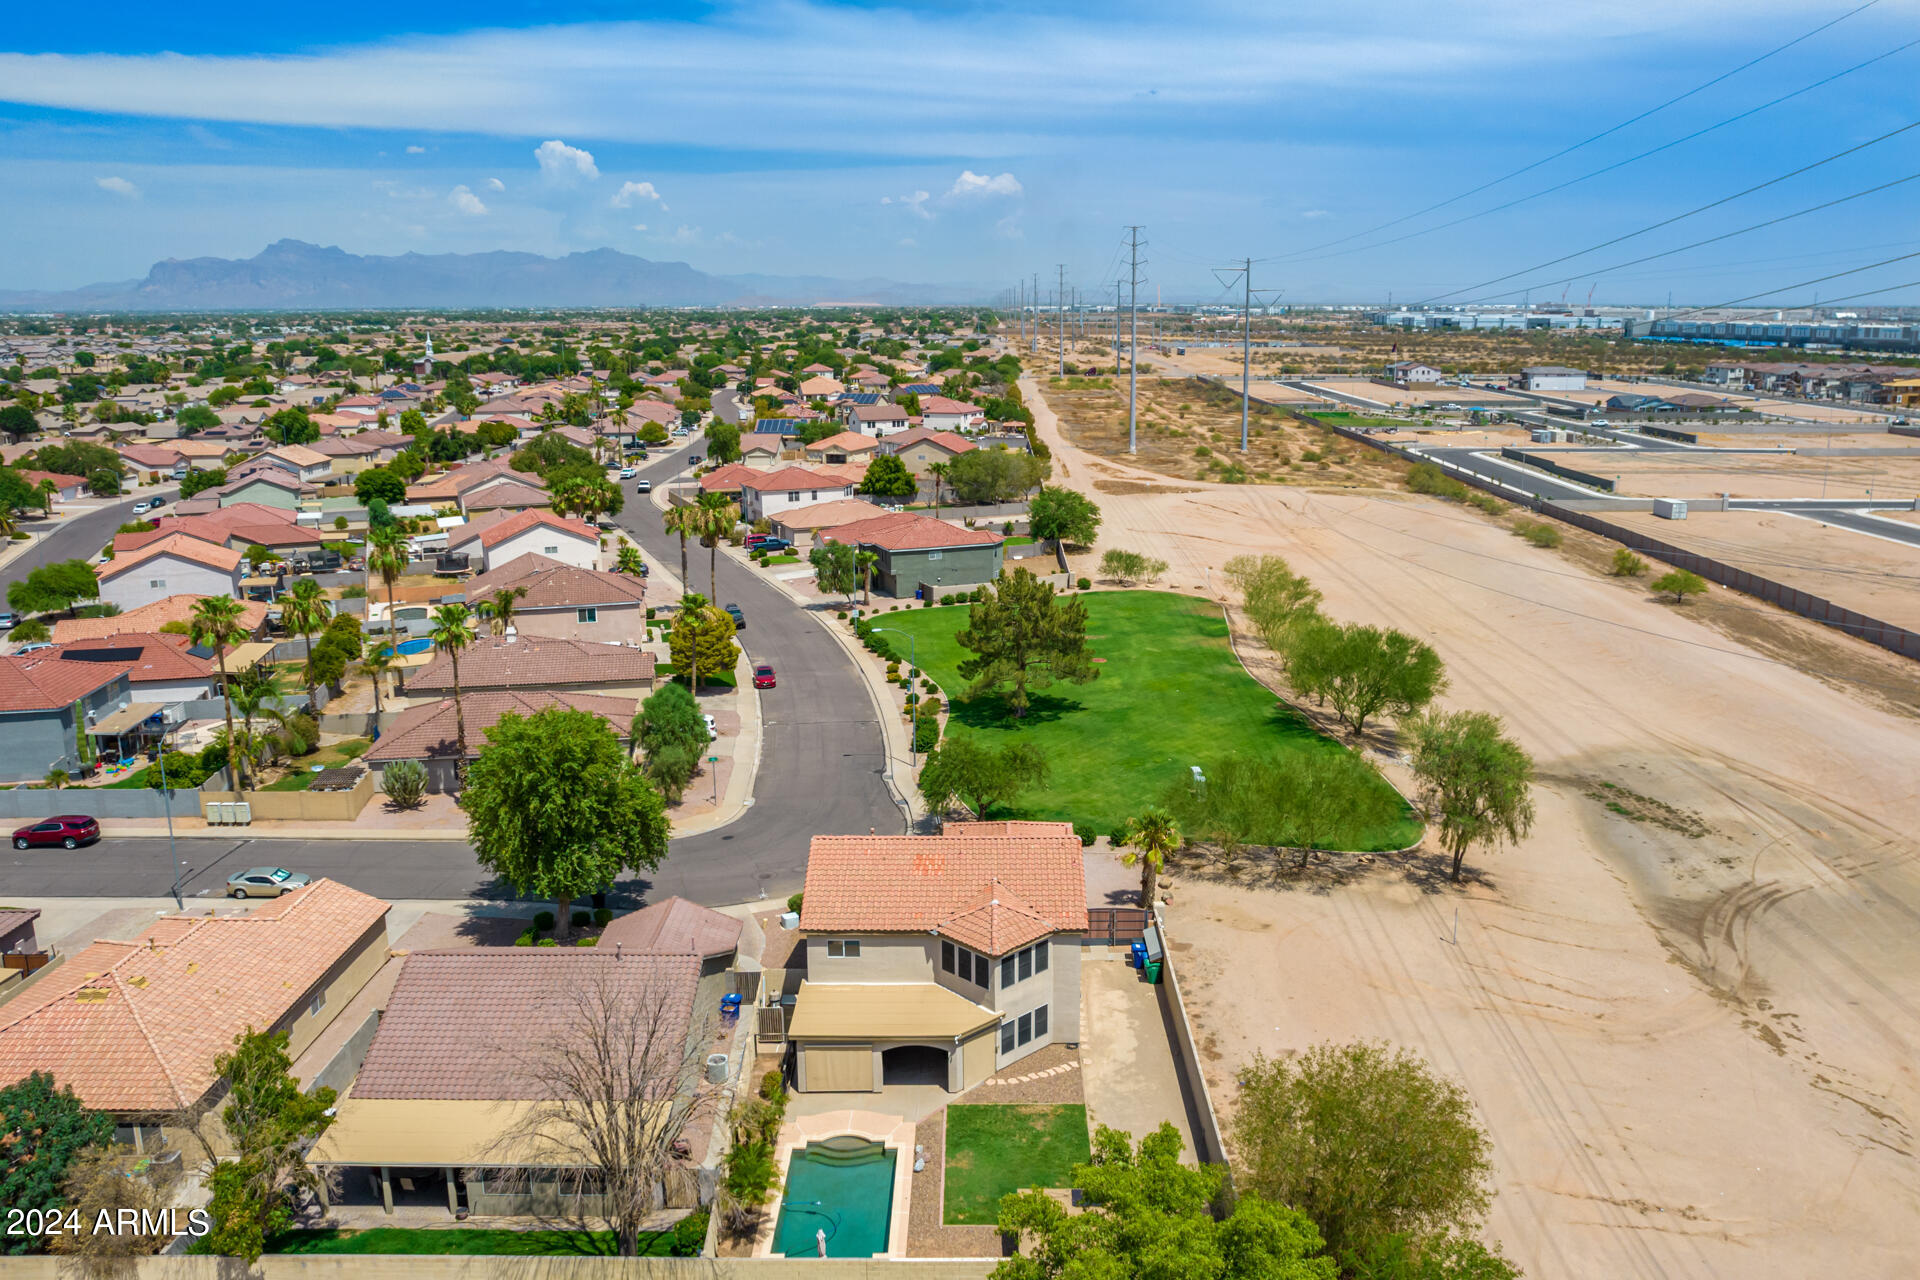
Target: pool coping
894	1132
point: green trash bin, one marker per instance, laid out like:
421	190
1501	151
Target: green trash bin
1153	971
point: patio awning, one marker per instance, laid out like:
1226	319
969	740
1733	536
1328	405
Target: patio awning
884	1011
125	720
441	1131
242	657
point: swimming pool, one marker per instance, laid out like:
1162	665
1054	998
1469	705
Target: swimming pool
412	646
842	1187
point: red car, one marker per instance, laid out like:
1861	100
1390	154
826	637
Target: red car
763	676
69	831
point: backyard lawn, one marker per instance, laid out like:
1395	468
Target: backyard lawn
994	1150
475	1240
1170	694
332	757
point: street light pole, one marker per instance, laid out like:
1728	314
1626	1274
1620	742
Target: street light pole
166	801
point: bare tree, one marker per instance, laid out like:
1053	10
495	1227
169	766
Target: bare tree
115	1181
612	1085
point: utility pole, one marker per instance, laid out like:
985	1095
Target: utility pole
1118	285
1036	311
1023	312
1060	316
1133	338
1245	272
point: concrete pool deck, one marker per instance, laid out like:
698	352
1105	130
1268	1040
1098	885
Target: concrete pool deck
895	1132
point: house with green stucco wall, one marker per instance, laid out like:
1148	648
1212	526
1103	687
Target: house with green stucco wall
915	550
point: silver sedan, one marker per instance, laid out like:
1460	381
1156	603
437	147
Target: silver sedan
265	882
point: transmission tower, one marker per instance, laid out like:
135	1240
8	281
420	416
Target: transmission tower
1133	337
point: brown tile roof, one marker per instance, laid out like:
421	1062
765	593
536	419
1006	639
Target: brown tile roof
186	547
728	478
534	662
136	1025
848	441
826	515
885	412
989	891
674	927
458	1022
430	731
298	454
553	585
942	404
59	479
160	657
910	531
945	439
149	618
792	478
507	493
43	680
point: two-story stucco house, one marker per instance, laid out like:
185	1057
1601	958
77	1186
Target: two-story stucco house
764	495
938	959
177	564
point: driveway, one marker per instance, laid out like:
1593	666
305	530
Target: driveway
1133	1081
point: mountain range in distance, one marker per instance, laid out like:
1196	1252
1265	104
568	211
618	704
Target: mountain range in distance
291	275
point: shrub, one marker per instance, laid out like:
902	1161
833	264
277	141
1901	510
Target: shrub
1086	833
543	921
1118	836
1538	532
547	942
1086	584
773	1086
1681	583
793	902
926	733
1423	477
926	604
1626	564
580	919
585	942
690	1234
405	782
526	938
340	523
603	916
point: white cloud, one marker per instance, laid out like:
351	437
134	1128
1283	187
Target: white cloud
632	191
1316	213
494	184
466	202
416	151
917	203
1009	228
684	234
119	187
909	242
564	164
970	183
639	226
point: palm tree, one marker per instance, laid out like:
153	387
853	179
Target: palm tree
864	562
938	470
388	558
376	664
683	520
629	561
717	518
497	608
1151	837
452	632
256	693
216	625
47	490
304	611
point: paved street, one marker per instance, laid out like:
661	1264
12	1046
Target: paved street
820	772
78	537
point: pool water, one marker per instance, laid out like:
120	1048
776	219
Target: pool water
412	647
843	1186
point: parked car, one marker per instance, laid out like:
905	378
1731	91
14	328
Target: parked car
763	676
712	731
6	621
36	646
694	459
265	882
739	618
771	545
69	831
159	500
626	473
141	508
645	486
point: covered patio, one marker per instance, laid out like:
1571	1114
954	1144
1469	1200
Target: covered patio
862	1037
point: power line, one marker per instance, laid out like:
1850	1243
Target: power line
1618	164
1133	337
1726	235
1679	217
1587	141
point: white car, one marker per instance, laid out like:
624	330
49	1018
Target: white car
645	486
626	473
141	508
712	732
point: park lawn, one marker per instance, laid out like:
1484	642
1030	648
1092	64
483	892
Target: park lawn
1356	419
995	1150
1170	695
467	1240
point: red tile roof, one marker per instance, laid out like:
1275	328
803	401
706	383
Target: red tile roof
674	927
792	478
728	478
492	535
136	1025
945	439
149	618
910	531
184	546
552	585
534	662
991	892
459	1023
161	657
846	441
430	731
43	680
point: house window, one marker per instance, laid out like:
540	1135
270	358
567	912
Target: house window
318	1002
794	496
1006	1037
934	555
1006	972
1039	957
158	584
586	615
1040	1021
1026	964
844	948
1026	1027
550	551
964	964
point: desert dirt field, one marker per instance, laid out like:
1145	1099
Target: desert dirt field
1688	1005
1687	474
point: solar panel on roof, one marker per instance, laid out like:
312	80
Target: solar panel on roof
860	397
776	427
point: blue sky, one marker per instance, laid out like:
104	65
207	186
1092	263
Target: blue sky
967	143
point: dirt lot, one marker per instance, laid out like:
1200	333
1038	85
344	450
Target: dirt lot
1687	1009
1687	474
1876	576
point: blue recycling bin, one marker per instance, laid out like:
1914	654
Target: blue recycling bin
1137	954
729	1008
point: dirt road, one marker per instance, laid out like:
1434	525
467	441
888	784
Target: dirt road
1688	1006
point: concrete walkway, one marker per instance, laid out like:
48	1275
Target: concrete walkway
1133	1081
